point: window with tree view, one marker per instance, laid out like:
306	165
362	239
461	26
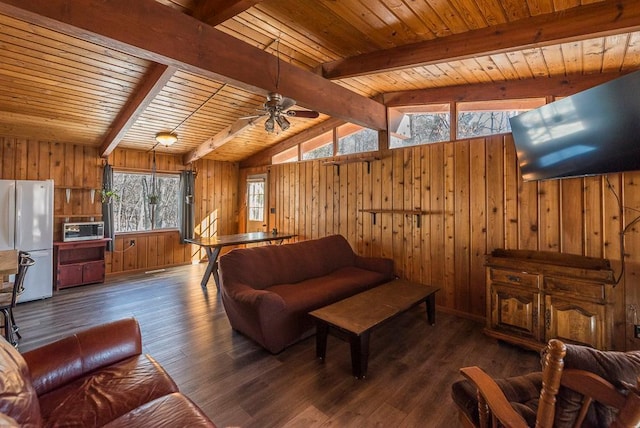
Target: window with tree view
411	126
477	119
356	139
144	205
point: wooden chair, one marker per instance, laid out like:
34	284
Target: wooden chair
495	409
9	298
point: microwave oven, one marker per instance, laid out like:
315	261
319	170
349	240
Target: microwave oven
82	231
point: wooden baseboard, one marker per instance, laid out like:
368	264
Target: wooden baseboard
462	314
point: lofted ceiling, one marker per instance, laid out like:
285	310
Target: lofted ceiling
114	73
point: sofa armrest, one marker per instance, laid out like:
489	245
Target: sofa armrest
65	360
248	296
377	264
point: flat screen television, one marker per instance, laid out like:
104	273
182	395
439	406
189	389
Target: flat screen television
596	131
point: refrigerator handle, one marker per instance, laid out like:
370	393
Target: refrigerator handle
18	232
9	222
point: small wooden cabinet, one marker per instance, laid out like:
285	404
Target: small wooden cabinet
534	296
79	262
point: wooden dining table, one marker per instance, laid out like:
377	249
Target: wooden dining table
213	244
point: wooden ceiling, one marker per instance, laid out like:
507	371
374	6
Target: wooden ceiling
114	73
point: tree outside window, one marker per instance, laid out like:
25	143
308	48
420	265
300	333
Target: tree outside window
137	209
356	139
481	118
411	126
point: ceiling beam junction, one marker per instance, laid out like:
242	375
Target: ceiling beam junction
222	137
157	76
214	12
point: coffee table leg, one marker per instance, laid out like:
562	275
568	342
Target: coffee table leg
359	354
430	302
322	330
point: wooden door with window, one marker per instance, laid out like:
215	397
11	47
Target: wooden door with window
257	203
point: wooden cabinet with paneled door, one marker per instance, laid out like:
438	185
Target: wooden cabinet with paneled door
515	311
534	296
78	263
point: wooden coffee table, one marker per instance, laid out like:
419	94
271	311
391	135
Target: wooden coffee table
353	318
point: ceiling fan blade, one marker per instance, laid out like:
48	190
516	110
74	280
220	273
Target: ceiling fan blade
287	103
307	114
252	116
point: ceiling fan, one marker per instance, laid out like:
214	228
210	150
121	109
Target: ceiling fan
277	109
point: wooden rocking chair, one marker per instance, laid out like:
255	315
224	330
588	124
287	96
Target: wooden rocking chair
496	410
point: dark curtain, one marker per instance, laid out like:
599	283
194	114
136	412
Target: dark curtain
107	206
186	212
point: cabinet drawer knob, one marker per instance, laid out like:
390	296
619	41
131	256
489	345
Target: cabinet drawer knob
513	278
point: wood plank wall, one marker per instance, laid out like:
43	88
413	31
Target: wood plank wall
476	203
74	167
216	213
79	168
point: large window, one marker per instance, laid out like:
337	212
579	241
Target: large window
410	126
144	205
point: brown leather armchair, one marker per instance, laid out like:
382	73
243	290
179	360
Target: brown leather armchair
578	387
98	377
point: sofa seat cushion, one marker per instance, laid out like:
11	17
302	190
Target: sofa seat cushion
522	392
314	293
173	410
107	393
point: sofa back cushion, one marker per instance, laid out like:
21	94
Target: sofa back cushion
264	266
613	366
18	399
67	359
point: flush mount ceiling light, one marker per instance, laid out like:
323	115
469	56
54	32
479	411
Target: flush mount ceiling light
166	138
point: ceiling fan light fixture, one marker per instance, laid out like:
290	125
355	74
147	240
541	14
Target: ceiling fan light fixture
166	138
270	125
283	122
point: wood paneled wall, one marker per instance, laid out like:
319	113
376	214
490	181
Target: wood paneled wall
216	213
79	168
74	167
474	201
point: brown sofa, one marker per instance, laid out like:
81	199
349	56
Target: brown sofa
98	377
268	291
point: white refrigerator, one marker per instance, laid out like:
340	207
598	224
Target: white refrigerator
26	224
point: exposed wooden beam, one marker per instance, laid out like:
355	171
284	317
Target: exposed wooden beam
175	39
219	139
578	23
528	88
157	76
214	12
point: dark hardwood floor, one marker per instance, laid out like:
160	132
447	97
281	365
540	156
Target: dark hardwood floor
412	364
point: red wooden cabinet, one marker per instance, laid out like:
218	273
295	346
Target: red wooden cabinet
79	263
